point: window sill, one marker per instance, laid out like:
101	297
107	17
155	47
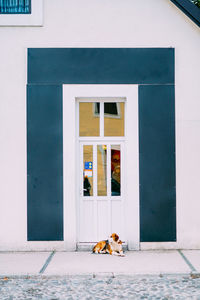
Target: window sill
33	19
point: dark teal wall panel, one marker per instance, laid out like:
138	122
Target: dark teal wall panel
44	162
48	69
157	163
101	66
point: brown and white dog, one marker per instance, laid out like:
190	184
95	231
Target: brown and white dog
113	246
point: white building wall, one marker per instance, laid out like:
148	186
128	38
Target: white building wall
94	23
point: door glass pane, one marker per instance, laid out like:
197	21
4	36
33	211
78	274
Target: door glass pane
88	170
114	119
88	120
115	170
102	170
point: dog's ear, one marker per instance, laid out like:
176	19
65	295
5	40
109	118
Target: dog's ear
120	242
116	237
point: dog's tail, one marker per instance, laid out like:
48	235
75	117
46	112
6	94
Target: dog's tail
94	249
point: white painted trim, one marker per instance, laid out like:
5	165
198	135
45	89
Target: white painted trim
132	162
69	169
100	139
70	94
33	19
95	99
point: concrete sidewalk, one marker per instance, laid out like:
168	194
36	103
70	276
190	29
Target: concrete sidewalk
76	263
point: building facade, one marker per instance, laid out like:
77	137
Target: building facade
99	125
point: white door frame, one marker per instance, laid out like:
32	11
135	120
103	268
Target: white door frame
70	153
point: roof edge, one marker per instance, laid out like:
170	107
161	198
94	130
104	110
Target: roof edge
190	9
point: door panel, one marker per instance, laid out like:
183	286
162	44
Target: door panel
87	221
103	219
116	218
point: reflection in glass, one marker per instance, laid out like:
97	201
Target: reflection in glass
97	108
102	170
88	170
88	121
115	170
114	119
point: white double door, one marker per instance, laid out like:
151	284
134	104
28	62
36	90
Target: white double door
101	190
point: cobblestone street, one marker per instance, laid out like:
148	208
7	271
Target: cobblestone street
100	287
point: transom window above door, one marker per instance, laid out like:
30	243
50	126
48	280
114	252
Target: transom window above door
103	118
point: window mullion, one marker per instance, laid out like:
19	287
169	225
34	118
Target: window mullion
102	119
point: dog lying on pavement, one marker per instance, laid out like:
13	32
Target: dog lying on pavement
112	246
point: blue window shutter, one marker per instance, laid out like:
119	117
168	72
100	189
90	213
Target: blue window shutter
15	6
